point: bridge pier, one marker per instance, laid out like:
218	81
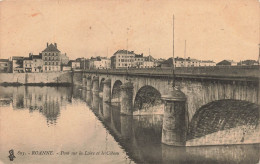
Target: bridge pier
95	81
126	95
106	112
174	120
107	90
88	97
95	103
88	79
84	81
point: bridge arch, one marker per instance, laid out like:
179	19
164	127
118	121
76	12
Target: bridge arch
146	97
116	91
222	115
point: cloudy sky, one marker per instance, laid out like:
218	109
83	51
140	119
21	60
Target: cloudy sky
213	29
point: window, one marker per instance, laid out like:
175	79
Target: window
56	63
45	68
45	63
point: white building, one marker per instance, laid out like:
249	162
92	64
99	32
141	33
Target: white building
123	59
207	63
149	62
102	63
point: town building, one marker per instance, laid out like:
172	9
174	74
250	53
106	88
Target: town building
248	62
138	61
33	63
27	64
181	62
17	64
66	68
51	58
83	63
207	63
37	63
64	59
148	62
99	63
158	62
5	66
227	63
122	59
74	64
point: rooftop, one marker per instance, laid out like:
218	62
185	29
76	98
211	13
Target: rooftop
4	60
51	48
124	52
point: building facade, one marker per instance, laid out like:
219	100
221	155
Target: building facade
74	64
102	63
123	59
17	64
51	58
27	64
37	63
5	66
64	59
139	61
207	63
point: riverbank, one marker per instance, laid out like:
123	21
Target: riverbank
36	79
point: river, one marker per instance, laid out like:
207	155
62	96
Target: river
72	125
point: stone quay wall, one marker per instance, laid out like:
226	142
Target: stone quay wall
36	78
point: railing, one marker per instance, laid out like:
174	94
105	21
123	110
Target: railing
209	71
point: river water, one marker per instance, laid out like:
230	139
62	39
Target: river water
75	126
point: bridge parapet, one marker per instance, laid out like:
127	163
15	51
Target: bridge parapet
237	73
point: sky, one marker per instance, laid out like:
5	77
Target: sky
213	29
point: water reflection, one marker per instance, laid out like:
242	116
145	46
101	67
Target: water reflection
72	126
46	100
140	136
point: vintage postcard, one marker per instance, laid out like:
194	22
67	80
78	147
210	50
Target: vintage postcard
129	81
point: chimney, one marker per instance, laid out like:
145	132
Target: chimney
55	45
47	44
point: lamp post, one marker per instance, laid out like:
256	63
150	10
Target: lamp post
127	53
174	120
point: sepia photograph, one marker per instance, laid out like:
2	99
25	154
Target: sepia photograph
129	81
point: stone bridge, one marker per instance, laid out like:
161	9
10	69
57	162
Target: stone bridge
212	102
